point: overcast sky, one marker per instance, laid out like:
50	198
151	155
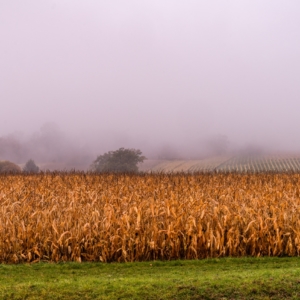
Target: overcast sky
144	73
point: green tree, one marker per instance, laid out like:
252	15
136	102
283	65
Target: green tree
119	161
31	167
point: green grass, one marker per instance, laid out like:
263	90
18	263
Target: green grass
226	278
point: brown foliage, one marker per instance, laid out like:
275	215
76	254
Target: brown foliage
80	217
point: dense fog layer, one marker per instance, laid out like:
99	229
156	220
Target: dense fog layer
176	79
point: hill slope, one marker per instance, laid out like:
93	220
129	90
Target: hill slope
242	163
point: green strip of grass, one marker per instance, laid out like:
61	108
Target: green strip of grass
226	278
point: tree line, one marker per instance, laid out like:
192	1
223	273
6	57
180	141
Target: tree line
118	161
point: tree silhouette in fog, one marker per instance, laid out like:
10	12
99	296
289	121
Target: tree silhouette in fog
119	161
31	167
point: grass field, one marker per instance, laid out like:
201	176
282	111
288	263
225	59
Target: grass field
226	278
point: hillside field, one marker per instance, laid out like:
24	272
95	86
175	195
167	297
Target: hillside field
238	163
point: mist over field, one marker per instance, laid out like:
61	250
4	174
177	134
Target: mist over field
176	79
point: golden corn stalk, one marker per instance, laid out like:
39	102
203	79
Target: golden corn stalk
87	217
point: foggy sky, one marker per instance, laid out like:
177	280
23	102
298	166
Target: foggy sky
152	74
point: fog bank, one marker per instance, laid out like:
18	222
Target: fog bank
174	79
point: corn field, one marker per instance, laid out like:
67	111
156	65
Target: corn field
118	218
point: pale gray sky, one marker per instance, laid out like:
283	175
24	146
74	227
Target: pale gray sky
152	73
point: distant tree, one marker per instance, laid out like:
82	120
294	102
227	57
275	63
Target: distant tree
31	167
121	160
9	167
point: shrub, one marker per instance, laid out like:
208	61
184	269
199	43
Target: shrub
9	167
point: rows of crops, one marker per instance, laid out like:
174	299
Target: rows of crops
85	217
262	164
233	164
204	165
